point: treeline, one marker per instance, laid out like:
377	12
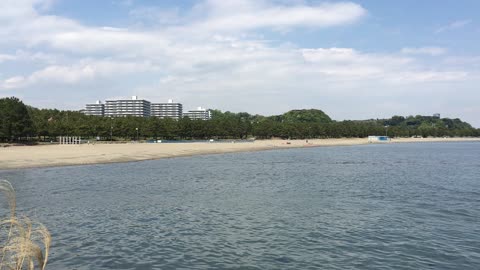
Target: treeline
23	123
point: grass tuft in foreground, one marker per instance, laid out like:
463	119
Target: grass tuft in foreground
24	244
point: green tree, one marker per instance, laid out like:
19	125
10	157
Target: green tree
15	121
305	116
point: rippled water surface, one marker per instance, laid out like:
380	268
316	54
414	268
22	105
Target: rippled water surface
397	206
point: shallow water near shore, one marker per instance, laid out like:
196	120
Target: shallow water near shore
392	206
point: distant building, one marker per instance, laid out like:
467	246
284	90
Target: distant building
167	110
127	107
436	115
97	109
198	114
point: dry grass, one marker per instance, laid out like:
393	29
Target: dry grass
24	243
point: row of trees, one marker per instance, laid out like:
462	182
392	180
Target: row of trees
20	122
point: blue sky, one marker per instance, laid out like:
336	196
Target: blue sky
352	59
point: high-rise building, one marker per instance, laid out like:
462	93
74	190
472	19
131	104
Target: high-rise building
167	110
198	114
127	107
97	109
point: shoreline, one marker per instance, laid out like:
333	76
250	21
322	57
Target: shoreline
23	157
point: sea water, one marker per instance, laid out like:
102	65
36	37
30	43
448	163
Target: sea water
390	206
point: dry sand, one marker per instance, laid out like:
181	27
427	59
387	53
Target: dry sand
63	155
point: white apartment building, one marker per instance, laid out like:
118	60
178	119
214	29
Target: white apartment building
97	109
198	114
127	107
167	110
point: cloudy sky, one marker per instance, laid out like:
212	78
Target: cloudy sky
354	60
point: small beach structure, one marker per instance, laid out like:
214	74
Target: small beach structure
378	139
69	140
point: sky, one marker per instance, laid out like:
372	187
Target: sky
352	59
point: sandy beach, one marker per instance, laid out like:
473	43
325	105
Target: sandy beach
17	157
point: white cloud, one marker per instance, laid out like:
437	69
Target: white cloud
427	76
463	60
245	15
6	57
353	65
13	82
434	51
24	23
86	70
453	26
29	57
192	53
14	9
208	54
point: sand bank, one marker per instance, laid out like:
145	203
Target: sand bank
64	155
